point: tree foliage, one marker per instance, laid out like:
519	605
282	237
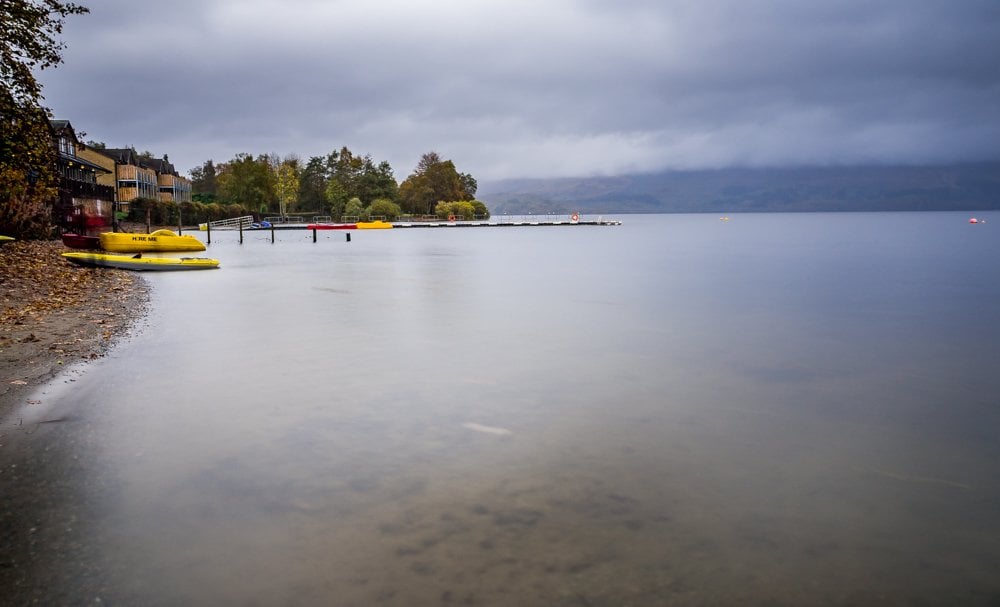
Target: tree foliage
287	183
249	182
433	181
27	161
359	176
203	180
353	208
269	183
312	185
383	207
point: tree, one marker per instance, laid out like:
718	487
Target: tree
434	180
382	207
312	185
469	185
204	184
336	197
375	182
249	182
27	160
287	183
460	209
480	210
353	208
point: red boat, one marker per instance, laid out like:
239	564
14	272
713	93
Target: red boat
79	241
332	226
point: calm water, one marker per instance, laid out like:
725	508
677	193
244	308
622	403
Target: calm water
778	409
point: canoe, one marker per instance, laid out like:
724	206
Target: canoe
378	224
331	226
137	262
80	241
4	239
160	240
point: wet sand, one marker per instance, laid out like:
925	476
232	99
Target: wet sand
54	314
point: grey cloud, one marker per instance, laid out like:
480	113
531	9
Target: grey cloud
535	89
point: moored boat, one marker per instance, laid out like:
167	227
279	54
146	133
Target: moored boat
137	262
81	241
331	226
378	224
160	240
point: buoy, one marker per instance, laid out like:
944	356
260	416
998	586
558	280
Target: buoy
973	220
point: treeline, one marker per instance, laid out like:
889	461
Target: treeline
340	184
169	213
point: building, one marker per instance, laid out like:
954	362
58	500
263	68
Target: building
128	177
84	205
137	175
172	187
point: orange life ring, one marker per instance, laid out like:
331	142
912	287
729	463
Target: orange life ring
451	218
575	217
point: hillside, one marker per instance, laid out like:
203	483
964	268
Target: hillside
874	188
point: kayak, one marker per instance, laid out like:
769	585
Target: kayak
137	262
331	226
80	241
160	240
4	239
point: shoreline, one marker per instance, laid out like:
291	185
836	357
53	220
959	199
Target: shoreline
54	314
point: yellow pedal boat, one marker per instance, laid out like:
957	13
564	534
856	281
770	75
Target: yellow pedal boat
160	240
137	262
378	224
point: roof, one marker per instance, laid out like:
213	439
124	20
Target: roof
119	155
160	166
130	156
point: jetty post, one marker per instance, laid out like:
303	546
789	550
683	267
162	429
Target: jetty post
208	229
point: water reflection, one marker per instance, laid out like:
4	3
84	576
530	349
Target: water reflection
691	413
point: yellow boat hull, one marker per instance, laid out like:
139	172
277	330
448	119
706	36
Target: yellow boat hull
373	225
134	262
160	240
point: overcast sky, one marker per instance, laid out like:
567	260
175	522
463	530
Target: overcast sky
538	88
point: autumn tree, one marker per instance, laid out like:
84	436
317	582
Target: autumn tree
287	183
249	182
434	180
352	176
27	161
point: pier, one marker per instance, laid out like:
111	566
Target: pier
505	221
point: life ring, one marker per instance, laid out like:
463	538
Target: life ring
451	218
575	217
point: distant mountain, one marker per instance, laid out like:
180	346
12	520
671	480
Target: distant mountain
966	187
